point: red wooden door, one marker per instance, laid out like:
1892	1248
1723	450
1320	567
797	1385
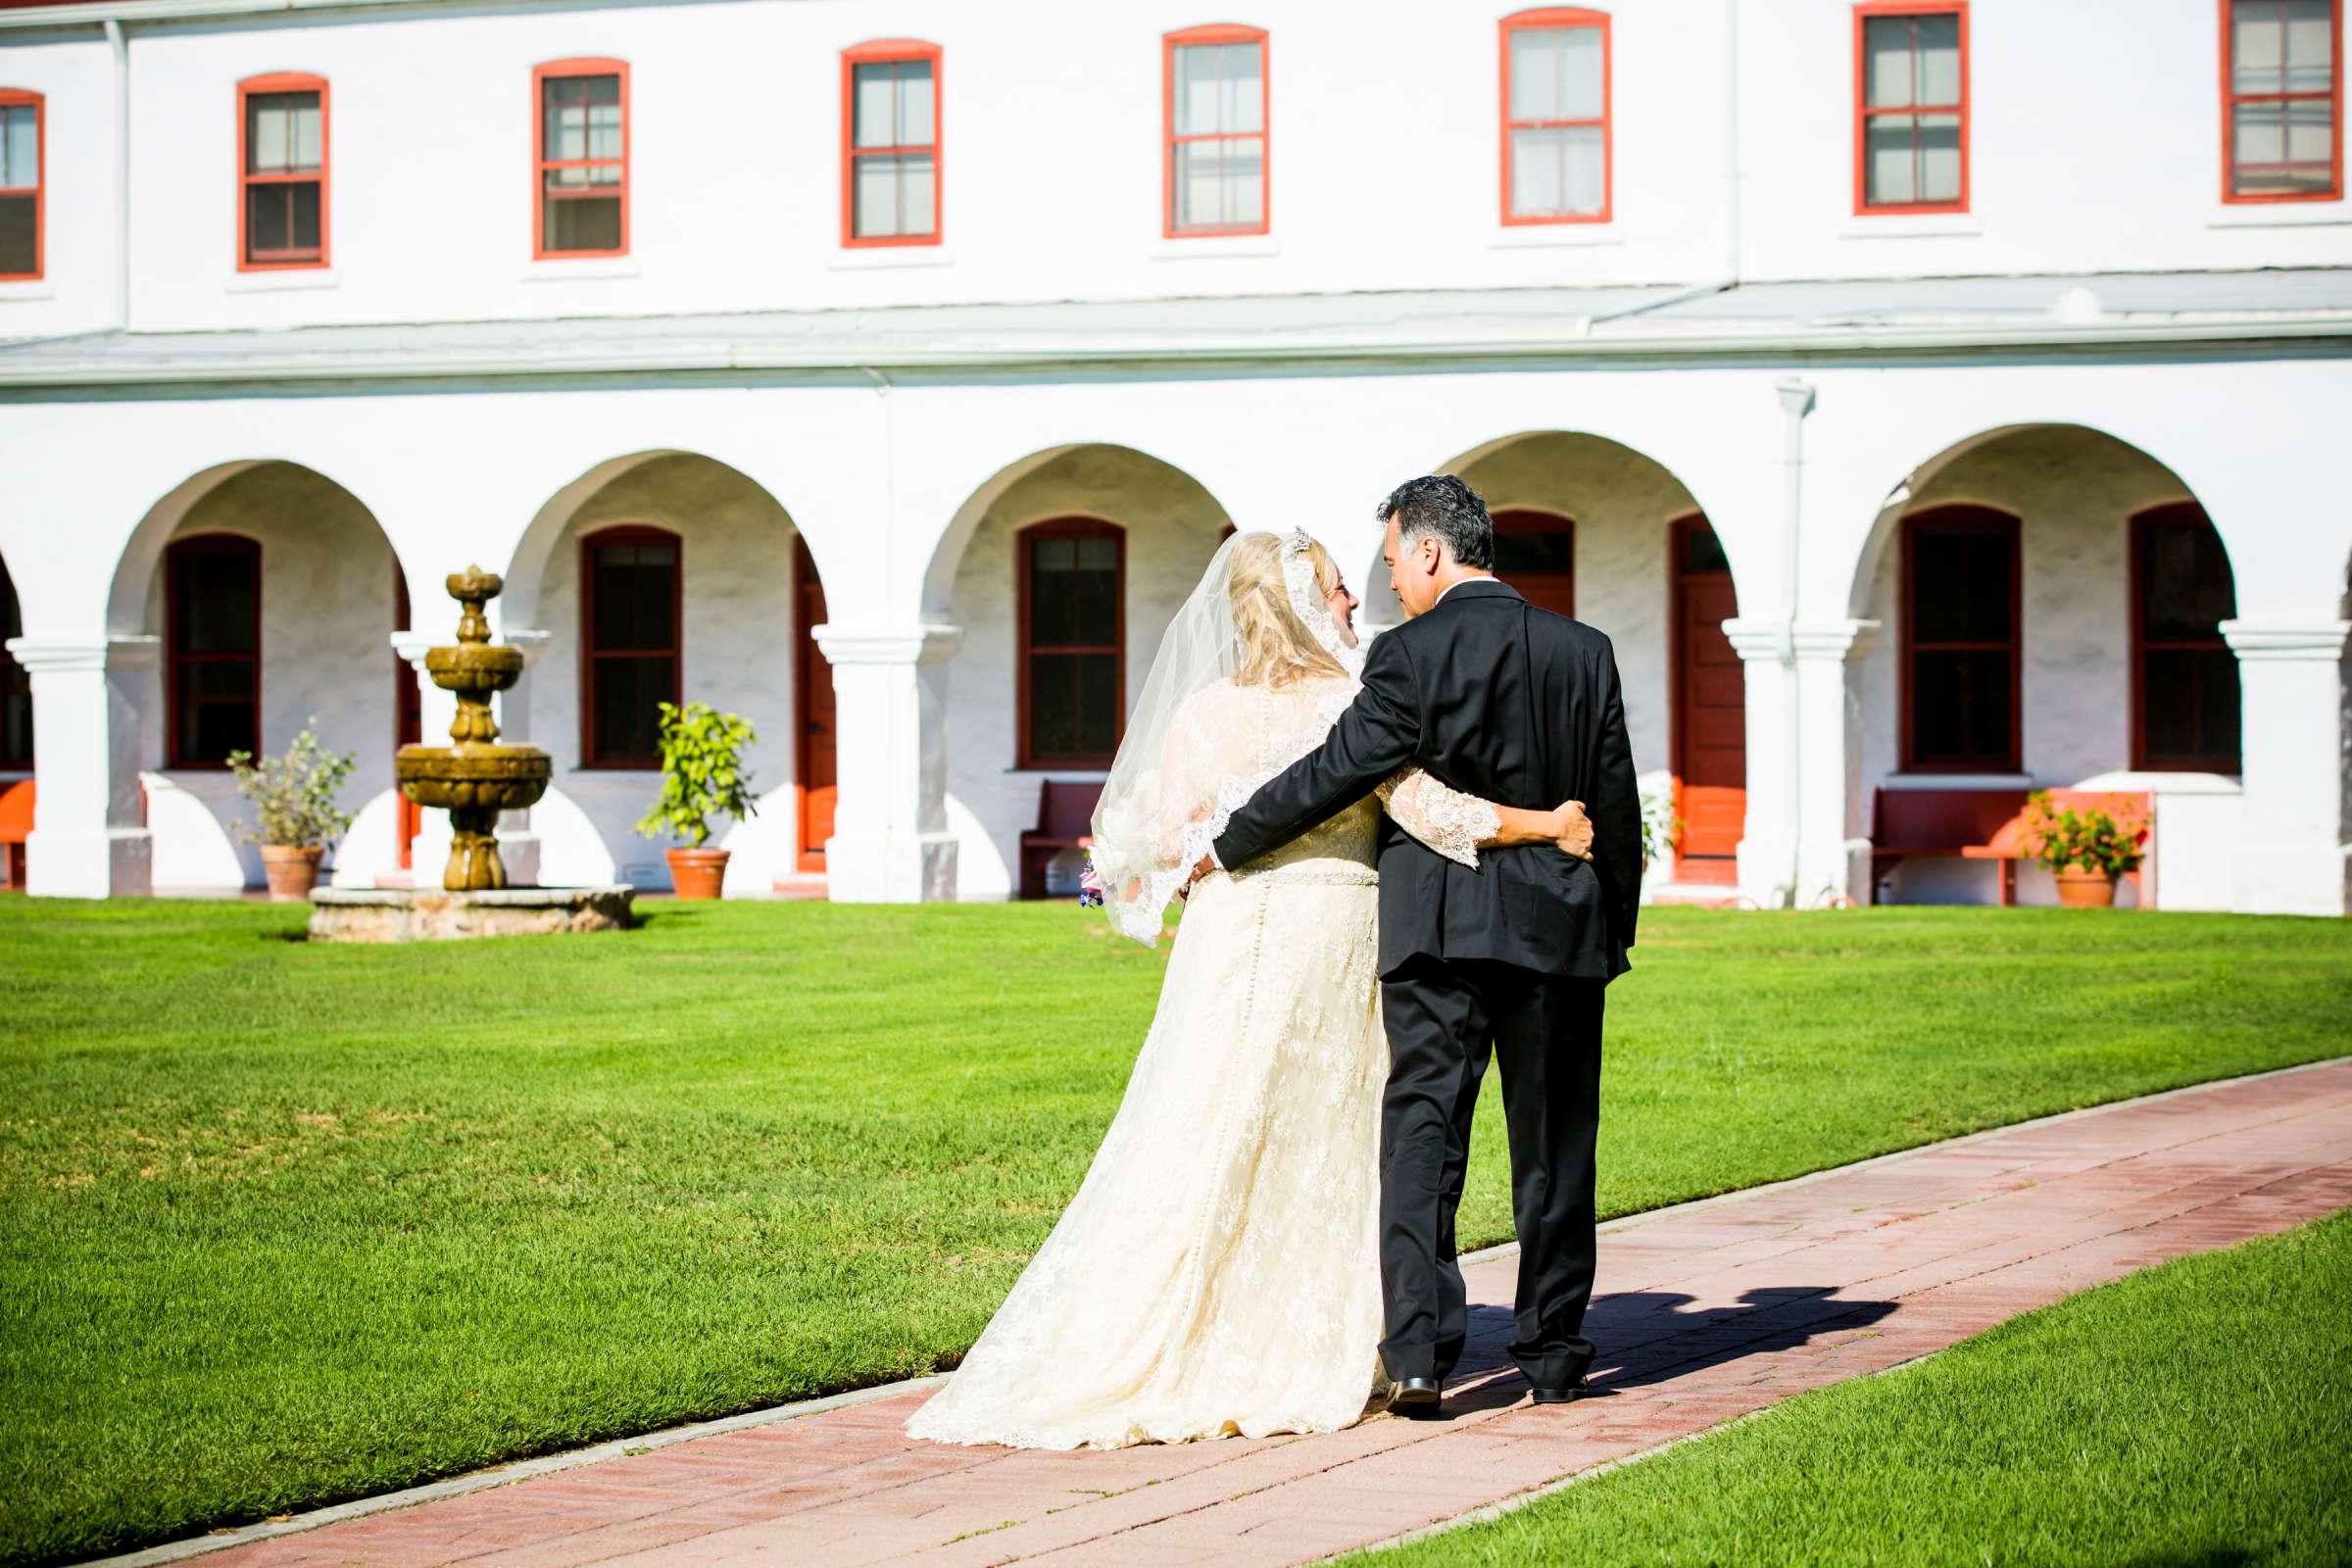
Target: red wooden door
1535	552
818	790
1711	703
408	719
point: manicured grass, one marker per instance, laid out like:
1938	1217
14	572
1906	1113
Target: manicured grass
282	1223
2199	1413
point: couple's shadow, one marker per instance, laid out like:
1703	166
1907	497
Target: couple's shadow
1648	1337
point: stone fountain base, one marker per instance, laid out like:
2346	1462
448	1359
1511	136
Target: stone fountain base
429	914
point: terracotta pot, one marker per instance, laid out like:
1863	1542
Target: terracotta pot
697	873
2079	889
292	870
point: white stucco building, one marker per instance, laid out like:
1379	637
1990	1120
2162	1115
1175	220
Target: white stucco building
1925	396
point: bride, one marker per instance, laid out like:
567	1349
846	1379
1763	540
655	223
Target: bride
1218	1272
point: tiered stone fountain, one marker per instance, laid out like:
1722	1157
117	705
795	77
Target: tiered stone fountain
473	779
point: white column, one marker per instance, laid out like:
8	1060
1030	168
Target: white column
428	855
891	843
1807	839
2293	856
89	831
518	839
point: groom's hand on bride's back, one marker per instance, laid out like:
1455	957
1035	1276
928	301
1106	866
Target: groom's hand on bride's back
1575	830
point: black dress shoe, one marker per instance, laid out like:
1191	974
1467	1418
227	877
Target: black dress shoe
1577	1389
1414	1399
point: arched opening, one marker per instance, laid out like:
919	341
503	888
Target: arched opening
2052	600
1064	569
268	591
1587	526
668	576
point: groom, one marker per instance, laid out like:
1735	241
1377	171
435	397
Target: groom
1501	700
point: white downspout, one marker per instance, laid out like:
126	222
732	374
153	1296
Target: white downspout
120	47
1796	401
1731	138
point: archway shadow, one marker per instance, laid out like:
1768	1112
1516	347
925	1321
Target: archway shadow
1646	1338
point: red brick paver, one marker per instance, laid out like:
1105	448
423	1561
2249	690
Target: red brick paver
1702	1314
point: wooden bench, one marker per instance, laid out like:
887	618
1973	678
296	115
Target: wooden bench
1065	821
1938	824
16	826
2007	844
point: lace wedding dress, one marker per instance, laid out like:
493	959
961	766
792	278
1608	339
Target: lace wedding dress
1218	1271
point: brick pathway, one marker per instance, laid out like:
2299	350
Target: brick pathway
1703	1313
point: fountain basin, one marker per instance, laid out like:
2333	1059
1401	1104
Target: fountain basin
435	914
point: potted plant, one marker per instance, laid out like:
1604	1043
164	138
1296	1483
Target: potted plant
2084	847
1660	827
702	776
295	819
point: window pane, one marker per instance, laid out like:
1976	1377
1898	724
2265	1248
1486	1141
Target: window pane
2260	139
1940	158
1960	708
873	112
604	128
2191	702
580	224
2186	584
19	234
1581	92
626	702
209	731
1196	89
1888	160
914	102
1052	593
1939	59
226	678
304	219
21	158
1550	551
1536	90
307	132
16	715
1243	91
875	208
636	597
1960	584
1054	705
266	140
917	194
265	219
1097	605
566	134
1886	62
2256	46
1702	554
215	613
1538	172
1098	704
2310	46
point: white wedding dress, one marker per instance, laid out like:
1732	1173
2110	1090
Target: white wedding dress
1218	1271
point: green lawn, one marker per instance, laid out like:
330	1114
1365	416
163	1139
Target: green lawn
2196	1415
282	1224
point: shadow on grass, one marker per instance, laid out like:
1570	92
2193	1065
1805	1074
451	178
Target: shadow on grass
1646	1338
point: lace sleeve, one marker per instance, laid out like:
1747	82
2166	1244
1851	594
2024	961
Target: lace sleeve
1446	820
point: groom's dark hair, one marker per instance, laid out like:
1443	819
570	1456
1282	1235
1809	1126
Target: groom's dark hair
1440	504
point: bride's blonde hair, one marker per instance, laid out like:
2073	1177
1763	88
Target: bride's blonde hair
1277	649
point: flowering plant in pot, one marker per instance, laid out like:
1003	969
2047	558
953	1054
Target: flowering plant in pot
295	817
1661	828
2084	847
702	776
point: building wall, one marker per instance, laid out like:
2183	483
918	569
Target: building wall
1172	526
735	178
739	633
326	612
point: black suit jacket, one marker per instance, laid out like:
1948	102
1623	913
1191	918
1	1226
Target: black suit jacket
1501	700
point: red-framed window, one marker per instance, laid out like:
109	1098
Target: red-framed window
1556	116
281	172
580	158
23	207
890	143
1072	618
2282	100
2184	685
1911	106
16	686
212	649
632	642
1215	157
1962	698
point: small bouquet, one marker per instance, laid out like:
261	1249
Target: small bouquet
1089	886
